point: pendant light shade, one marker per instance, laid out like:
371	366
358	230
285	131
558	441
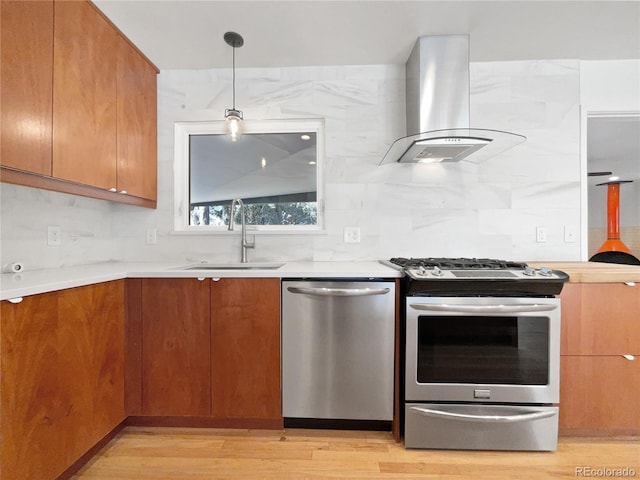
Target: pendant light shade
232	115
234	123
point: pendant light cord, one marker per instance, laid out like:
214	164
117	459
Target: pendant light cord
234	40
233	86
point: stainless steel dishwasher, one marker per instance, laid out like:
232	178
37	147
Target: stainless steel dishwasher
338	349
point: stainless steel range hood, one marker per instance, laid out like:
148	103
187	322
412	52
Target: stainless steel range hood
437	96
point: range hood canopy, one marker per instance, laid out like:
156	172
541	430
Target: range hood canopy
437	98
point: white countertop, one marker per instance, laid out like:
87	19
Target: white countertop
26	283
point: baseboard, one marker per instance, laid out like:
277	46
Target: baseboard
338	424
84	459
599	432
206	422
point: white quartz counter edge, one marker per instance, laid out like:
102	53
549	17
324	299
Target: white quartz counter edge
42	281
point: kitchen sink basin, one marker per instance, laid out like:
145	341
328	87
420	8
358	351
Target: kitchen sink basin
232	266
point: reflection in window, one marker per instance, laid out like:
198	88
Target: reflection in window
258	213
274	173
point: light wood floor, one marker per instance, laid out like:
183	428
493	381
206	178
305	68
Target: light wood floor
139	453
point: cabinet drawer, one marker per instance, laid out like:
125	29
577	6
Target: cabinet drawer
600	319
599	395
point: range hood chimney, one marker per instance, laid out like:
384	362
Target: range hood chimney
437	96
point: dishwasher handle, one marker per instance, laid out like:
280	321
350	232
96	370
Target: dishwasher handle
338	292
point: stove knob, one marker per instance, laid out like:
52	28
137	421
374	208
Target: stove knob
437	272
545	272
422	270
529	271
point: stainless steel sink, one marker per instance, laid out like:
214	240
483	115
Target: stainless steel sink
232	266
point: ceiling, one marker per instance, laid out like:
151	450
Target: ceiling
186	34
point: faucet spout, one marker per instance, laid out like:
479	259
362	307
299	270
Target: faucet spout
244	244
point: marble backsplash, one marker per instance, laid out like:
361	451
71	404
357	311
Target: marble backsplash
489	209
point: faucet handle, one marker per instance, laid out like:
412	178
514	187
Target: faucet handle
248	244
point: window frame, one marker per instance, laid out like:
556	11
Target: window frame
181	169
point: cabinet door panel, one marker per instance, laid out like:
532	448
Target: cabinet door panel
600	319
133	347
62	387
599	395
27	85
176	348
84	96
246	348
137	114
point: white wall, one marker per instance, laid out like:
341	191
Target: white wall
610	87
463	209
25	214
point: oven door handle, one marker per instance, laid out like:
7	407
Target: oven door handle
520	417
338	292
524	308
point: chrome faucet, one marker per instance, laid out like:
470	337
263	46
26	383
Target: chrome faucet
245	244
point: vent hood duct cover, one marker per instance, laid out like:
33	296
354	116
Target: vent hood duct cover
437	96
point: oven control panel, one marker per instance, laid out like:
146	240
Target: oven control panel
528	273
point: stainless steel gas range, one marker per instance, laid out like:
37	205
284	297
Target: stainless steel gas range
482	354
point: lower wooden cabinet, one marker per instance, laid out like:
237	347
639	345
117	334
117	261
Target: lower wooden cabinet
176	351
62	369
599	395
600	319
245	327
208	349
599	387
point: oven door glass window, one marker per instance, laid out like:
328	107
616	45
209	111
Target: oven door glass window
483	350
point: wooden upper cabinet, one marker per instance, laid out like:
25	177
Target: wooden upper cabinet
176	347
26	96
245	335
78	103
84	96
600	319
137	119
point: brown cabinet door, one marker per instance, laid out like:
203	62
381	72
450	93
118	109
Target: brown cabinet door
246	348
26	96
62	387
137	119
599	395
176	350
84	95
600	319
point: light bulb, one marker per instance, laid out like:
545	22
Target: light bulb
233	128
234	118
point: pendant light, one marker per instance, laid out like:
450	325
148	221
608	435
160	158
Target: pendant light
233	116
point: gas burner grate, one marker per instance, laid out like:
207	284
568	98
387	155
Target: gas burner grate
458	263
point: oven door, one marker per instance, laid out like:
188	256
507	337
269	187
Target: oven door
482	349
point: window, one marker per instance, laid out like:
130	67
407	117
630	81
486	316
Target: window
274	167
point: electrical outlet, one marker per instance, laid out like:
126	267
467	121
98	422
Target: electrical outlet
570	234
541	234
152	237
351	234
54	235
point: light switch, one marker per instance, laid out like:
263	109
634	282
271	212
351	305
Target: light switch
151	236
570	234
